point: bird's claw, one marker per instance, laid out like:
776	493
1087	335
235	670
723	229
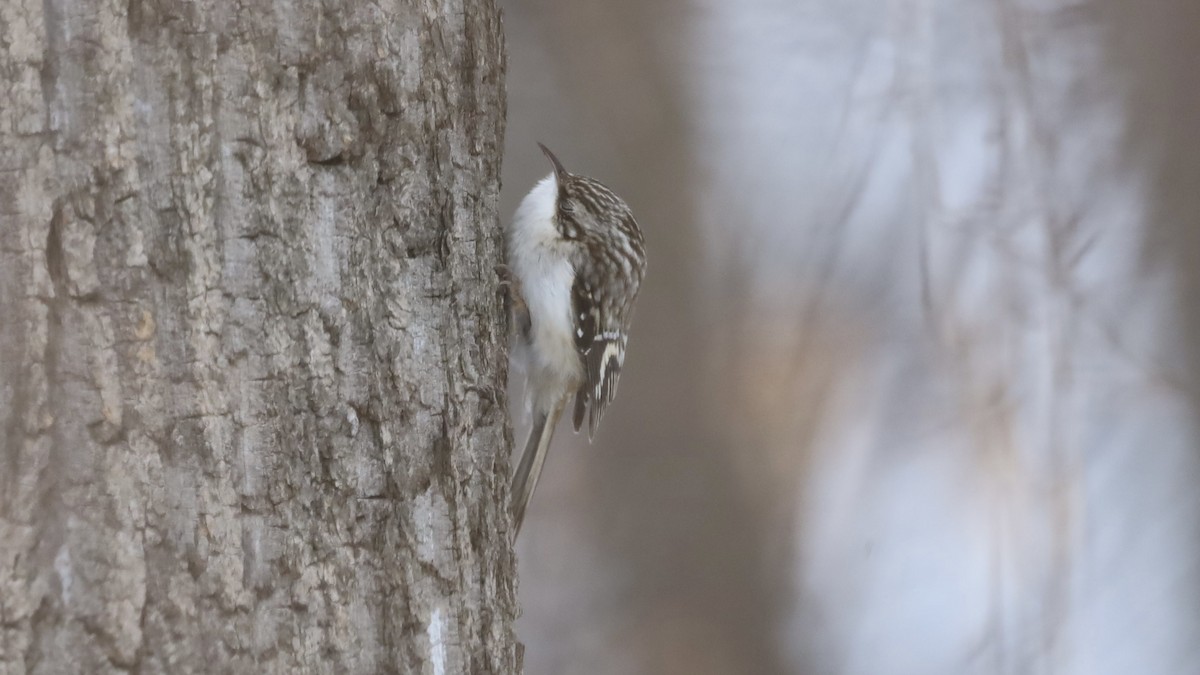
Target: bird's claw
505	273
512	290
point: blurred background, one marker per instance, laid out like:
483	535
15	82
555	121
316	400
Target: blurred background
912	386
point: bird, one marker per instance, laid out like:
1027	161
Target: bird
575	264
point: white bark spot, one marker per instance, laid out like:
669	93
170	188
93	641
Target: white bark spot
431	516
62	565
325	274
437	646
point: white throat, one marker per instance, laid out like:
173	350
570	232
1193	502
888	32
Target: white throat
540	260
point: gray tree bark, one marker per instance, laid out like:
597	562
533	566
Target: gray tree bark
252	358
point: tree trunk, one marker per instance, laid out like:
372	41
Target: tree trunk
252	358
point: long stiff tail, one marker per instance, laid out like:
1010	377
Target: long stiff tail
532	460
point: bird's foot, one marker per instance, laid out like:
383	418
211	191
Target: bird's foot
511	287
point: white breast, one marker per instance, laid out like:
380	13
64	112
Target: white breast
540	260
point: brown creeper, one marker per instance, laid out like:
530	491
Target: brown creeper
577	261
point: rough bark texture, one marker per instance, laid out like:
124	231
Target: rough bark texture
251	352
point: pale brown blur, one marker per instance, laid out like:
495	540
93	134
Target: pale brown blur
912	383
